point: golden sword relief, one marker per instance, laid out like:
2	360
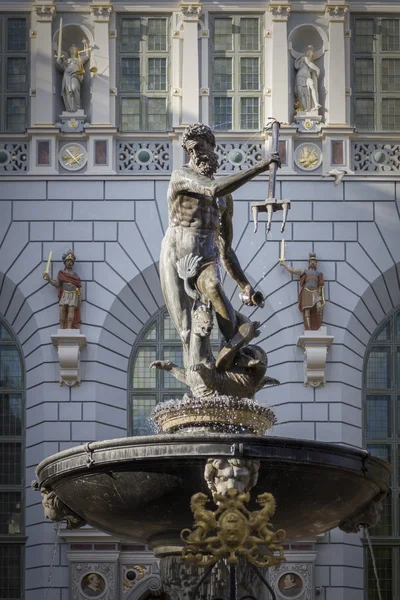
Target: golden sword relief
72	157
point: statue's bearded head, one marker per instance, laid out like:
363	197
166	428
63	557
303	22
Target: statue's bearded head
69	259
199	143
312	260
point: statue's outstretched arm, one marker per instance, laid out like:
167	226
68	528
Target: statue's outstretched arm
291	270
230	183
228	255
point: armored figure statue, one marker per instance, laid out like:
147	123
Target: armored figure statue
311	297
200	223
306	86
69	286
73	68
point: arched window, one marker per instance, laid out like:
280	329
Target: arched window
11	465
382	437
158	340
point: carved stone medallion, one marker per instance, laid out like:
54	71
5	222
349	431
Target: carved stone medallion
308	157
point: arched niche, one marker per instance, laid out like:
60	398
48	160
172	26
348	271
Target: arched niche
299	39
73	33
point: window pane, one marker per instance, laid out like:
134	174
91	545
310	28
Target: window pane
143	376
169	330
16	74
249	113
364	35
365	113
249	34
10	513
390	35
151	333
249	74
16	114
378	368
378	417
365	81
17	35
10	463
10	367
385	333
384	527
222	79
130	114
10	571
223	113
157	35
391	75
157	114
383	557
391	114
398	327
175	355
4	335
10	414
222	34
157	79
130	75
130	35
383	451
397	383
142	407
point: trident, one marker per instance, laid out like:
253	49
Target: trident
272	204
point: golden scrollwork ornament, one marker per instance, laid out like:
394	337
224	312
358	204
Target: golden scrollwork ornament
232	531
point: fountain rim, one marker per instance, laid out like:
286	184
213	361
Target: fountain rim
214	445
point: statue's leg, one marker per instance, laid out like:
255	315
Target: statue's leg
176	299
70	317
307	319
63	315
76	92
311	87
209	284
319	313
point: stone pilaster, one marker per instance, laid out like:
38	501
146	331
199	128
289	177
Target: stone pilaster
190	14
279	14
100	59
336	84
43	64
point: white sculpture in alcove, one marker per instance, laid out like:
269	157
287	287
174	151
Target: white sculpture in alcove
306	86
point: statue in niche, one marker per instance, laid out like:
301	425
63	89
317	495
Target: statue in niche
74	71
311	297
306	86
200	226
69	286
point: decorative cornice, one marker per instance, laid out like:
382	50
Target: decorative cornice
100	12
44	12
190	11
280	12
336	12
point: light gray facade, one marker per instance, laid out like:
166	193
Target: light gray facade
114	215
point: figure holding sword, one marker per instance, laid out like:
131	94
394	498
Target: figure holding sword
69	286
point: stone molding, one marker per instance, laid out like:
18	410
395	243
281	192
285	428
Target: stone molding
44	12
69	343
101	12
315	345
280	12
336	12
190	11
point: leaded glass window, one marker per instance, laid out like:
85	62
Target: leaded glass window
376	72
382	437
143	80
14	73
159	340
11	460
236	72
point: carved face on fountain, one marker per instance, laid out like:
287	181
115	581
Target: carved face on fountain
202	321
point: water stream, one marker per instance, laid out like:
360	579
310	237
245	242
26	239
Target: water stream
53	560
371	549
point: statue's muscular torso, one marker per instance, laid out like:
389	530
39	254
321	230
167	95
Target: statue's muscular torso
191	204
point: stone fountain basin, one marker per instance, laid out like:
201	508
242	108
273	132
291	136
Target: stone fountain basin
139	488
